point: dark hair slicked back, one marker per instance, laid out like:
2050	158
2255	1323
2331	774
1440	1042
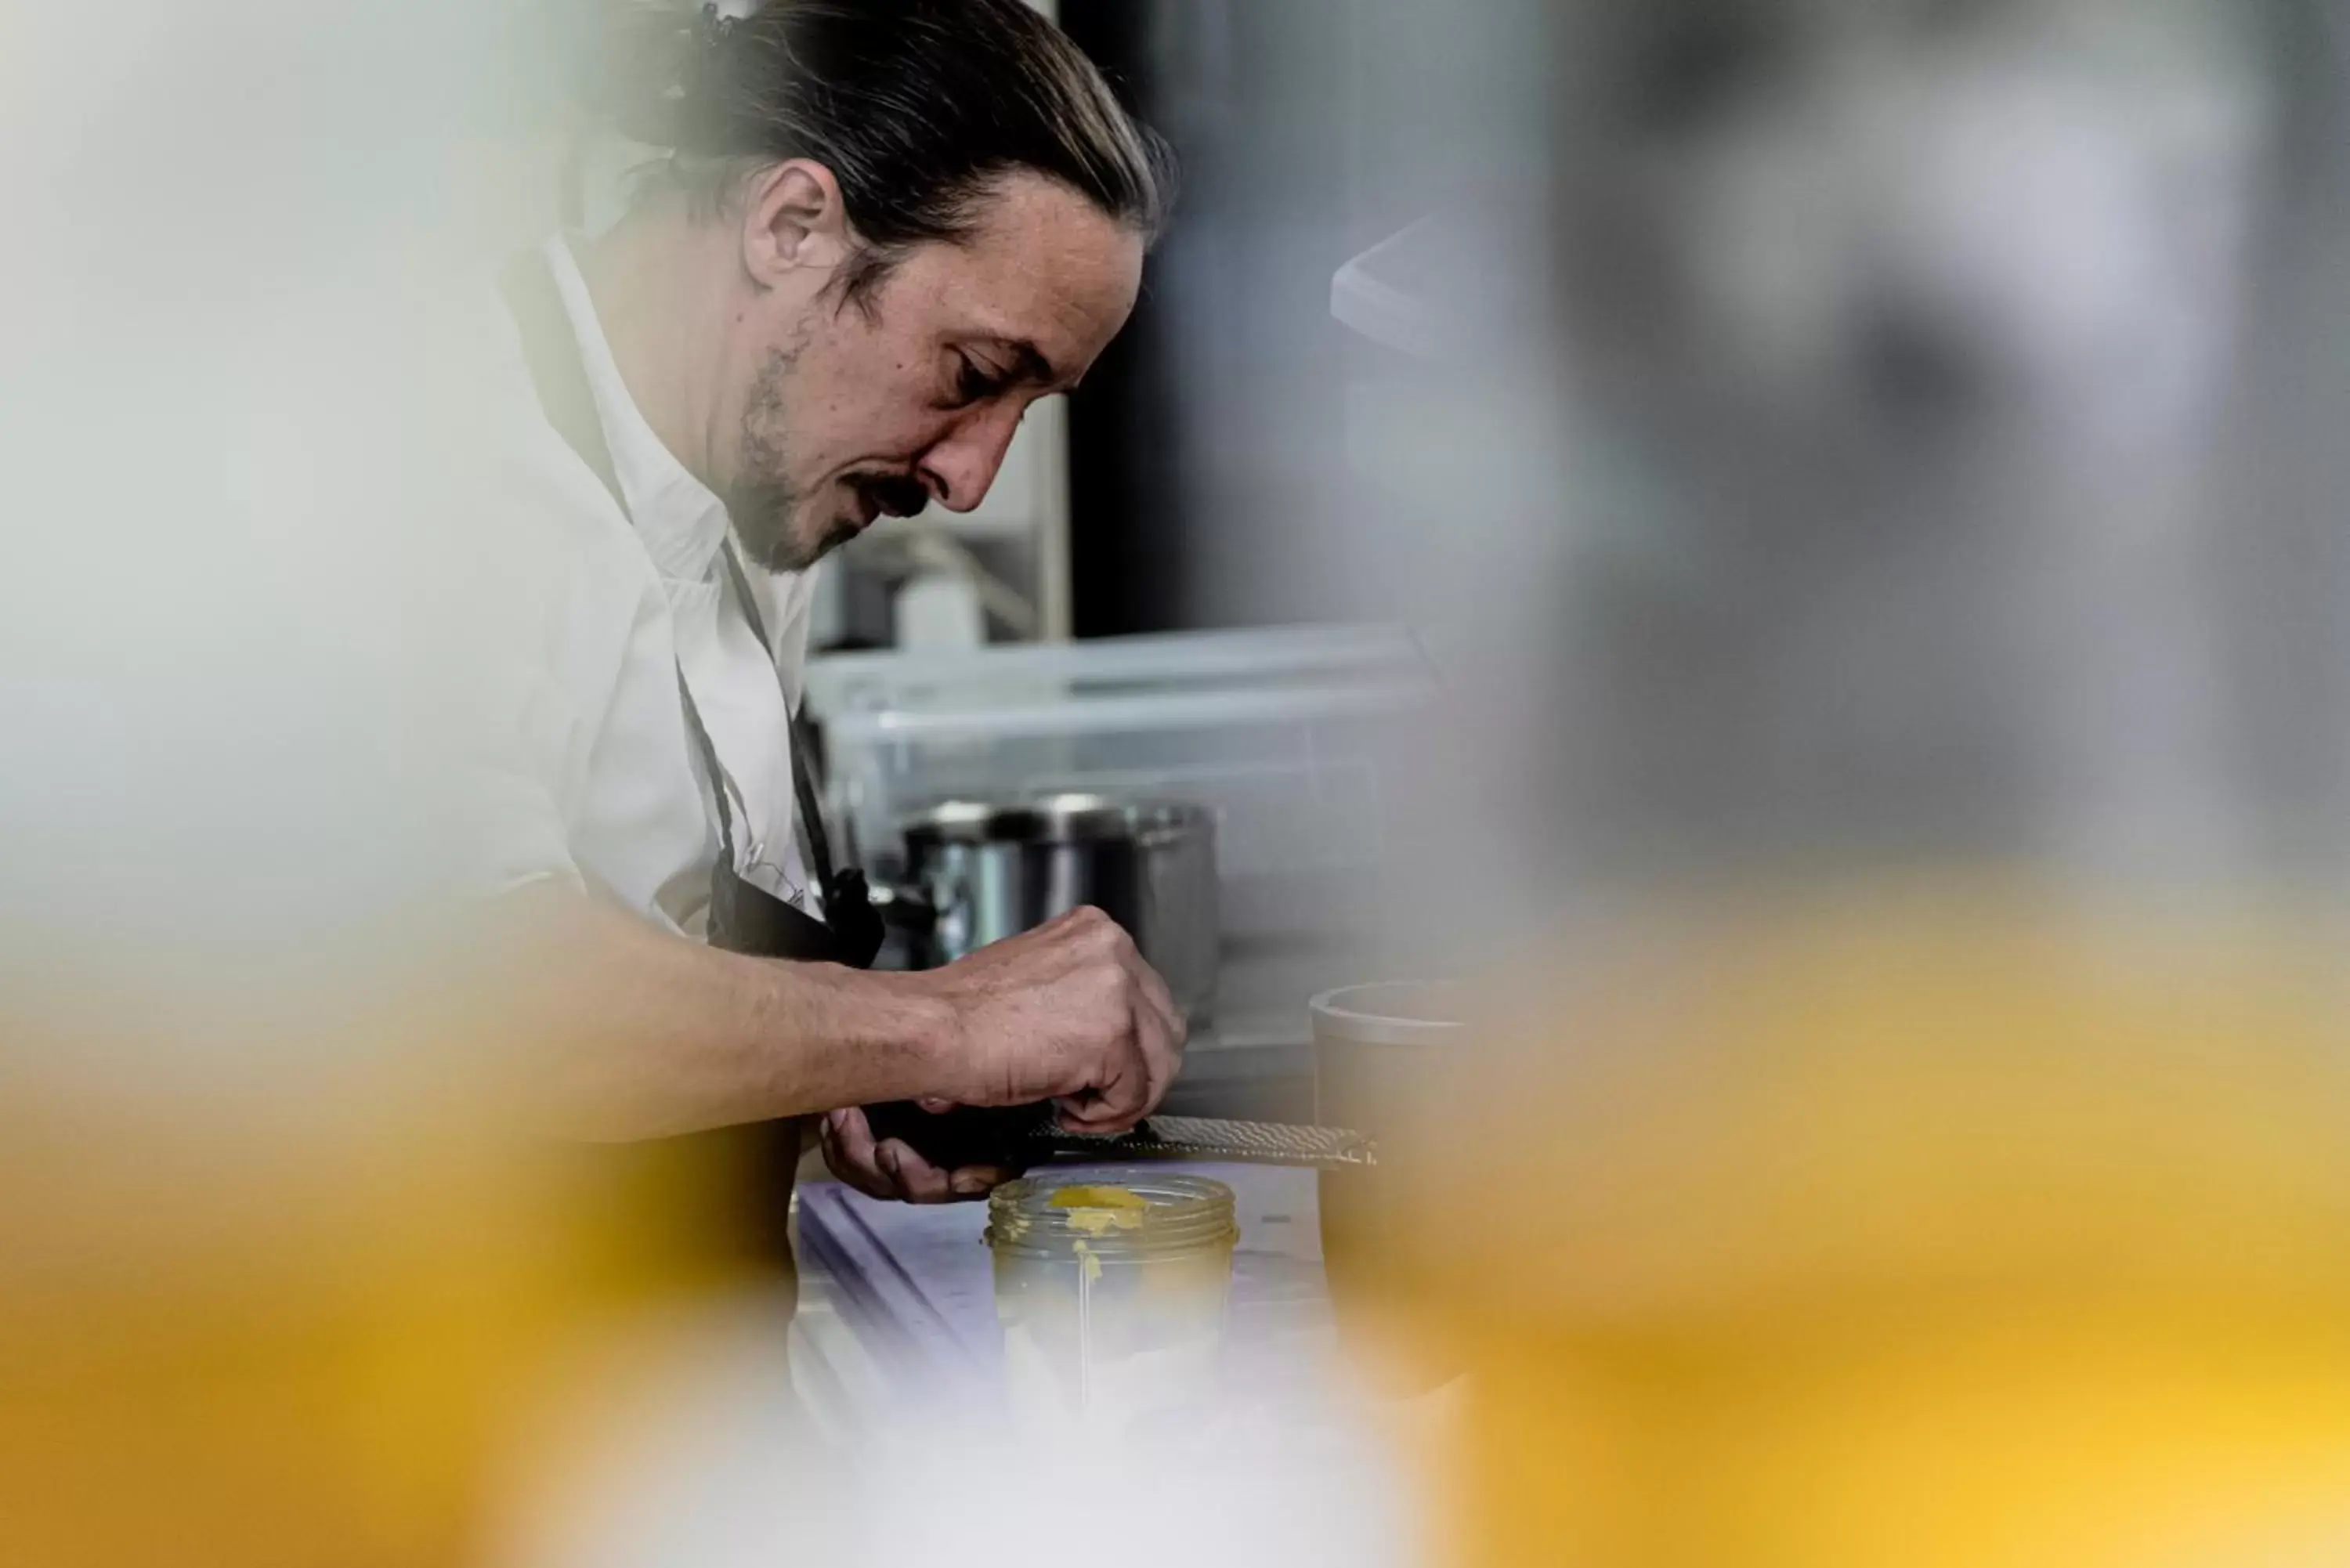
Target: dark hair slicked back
917	107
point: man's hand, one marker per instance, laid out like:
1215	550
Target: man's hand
891	1167
1067	1013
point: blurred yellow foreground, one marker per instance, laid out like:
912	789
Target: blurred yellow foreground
1904	1227
307	1290
1893	1227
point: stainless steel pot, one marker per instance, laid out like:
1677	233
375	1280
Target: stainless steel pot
977	872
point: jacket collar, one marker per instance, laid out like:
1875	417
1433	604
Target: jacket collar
679	519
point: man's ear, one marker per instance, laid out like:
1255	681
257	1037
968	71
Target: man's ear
794	228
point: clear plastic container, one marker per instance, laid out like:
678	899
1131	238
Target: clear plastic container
1110	1284
1269	728
1386	1058
1289	737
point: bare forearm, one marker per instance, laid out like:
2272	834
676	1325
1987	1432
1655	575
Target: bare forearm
644	1033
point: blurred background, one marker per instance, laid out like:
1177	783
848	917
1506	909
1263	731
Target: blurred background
1791	548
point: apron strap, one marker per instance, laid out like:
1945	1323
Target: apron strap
811	811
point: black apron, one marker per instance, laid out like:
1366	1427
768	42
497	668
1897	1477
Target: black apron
744	918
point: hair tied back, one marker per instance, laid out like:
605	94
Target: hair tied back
654	68
710	29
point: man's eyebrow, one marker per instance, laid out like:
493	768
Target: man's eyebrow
1029	364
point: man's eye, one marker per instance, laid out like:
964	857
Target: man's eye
971	383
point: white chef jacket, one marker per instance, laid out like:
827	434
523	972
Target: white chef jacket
596	777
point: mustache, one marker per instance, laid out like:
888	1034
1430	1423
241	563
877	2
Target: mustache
892	495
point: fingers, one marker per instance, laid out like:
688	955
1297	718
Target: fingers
976	1182
1158	1028
889	1169
1157	1025
1100	1113
1150	991
1141	1063
885	1168
1162	1048
1131	1089
918	1181
850	1153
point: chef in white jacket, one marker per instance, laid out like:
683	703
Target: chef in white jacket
884	230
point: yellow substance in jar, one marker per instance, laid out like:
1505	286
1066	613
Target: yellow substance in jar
1098	1211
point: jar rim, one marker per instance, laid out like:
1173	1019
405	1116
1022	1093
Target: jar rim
1180	1213
1391	1012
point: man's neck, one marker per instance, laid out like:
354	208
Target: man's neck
663	319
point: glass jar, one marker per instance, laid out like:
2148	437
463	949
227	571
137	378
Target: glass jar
1110	1284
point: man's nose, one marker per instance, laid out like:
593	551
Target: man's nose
961	468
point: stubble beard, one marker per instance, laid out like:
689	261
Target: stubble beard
766	507
763	503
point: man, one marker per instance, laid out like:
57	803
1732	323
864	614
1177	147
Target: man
885	230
